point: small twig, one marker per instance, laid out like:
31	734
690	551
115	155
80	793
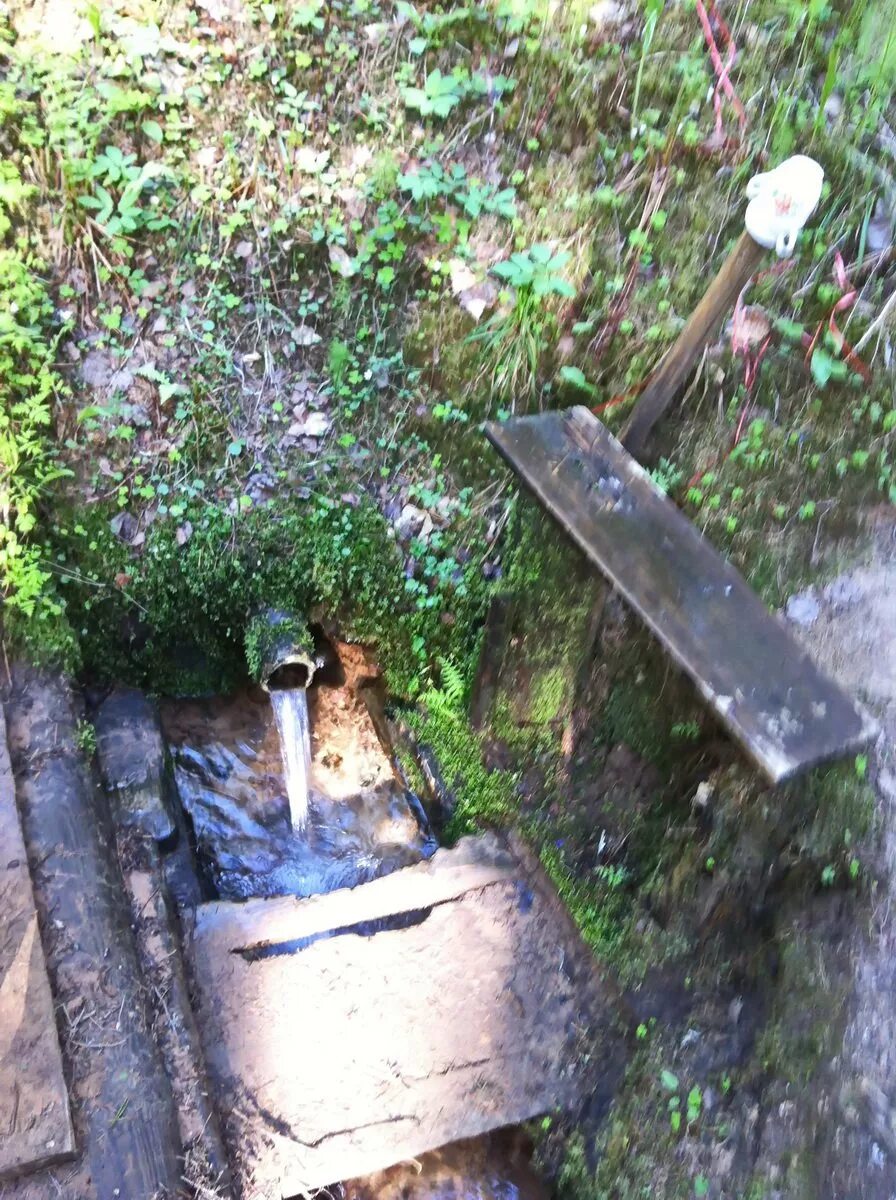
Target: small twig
877	323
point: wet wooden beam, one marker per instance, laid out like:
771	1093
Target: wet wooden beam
764	688
35	1119
121	1095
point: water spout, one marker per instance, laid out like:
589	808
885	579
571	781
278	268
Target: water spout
291	714
280	649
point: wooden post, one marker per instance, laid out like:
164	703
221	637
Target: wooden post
666	381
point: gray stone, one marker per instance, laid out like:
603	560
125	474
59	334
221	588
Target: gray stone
803	609
34	1108
131	754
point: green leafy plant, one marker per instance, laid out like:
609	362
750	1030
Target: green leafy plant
28	466
85	737
124	214
453	683
431	181
538	270
439	94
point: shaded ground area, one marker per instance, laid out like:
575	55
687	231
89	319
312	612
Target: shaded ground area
499	1164
849	625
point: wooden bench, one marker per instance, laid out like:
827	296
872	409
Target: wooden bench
762	685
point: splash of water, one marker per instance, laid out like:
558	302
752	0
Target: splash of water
291	715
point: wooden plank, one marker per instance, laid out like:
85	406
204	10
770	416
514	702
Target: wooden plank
120	1093
35	1119
764	688
666	381
346	1055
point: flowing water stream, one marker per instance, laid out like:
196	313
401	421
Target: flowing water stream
275	814
291	715
275	810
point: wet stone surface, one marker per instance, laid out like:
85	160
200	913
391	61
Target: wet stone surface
229	774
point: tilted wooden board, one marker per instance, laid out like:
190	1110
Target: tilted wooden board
35	1123
768	692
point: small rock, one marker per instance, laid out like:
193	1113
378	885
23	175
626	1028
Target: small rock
833	106
304	335
342	262
880	229
606	12
803	609
462	278
703	796
476	300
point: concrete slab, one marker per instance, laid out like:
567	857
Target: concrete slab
35	1119
340	1046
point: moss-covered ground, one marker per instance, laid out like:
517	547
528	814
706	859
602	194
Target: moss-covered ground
264	268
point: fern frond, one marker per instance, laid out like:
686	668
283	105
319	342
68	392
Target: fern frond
454	685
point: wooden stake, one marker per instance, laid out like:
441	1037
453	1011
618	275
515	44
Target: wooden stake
666	381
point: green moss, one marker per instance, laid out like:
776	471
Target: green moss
552	594
269	633
484	798
597	904
176	618
549	696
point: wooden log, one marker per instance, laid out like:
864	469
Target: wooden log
132	761
762	685
666	381
34	1110
124	1113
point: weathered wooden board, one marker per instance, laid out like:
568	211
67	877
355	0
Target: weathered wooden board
35	1121
763	686
121	1096
474	1007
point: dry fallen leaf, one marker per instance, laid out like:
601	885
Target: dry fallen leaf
462	278
314	425
750	327
304	335
342	262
